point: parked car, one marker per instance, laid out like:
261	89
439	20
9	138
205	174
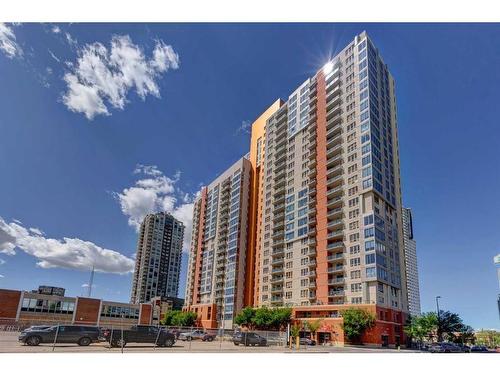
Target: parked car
465	348
307	341
36	328
140	334
198	334
81	335
249	339
445	347
479	349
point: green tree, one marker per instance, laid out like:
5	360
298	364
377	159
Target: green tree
169	315
245	317
356	322
182	318
313	327
465	335
421	327
449	323
488	337
262	318
280	317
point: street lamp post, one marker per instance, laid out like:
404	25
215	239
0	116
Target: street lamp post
438	316
437	304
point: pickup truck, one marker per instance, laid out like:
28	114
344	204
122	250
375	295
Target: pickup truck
139	334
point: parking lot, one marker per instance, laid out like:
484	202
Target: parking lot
10	344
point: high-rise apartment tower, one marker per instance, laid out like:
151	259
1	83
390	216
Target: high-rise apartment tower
324	217
158	258
216	270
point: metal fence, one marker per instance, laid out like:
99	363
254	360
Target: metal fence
123	337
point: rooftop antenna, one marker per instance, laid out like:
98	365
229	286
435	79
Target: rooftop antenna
91	281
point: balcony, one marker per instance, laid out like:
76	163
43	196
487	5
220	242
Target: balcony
335	257
277	289
338	212
279	207
334	130
335	140
277	251
336	281
336	234
278	241
277	261
333	151
279	196
277	279
312	284
336	293
335	110
312	263
312	274
278	225
335	192
312	295
333	162
335	181
311	252
279	233
276	299
279	182
335	245
338	268
279	216
335	201
335	120
277	270
333	97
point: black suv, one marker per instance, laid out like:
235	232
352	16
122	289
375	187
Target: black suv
81	335
249	339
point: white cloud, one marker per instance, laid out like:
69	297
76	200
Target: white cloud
2	261
71	41
72	253
244	128
103	77
2	276
8	43
54	56
154	192
56	29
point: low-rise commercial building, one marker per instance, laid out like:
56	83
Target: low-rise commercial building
23	308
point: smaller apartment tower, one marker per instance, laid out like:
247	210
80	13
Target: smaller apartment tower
158	258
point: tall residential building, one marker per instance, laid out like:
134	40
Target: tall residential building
410	251
217	261
158	258
325	217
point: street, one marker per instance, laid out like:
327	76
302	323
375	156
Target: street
10	344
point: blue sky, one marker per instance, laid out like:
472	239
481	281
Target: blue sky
72	177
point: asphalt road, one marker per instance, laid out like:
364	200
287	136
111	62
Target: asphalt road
10	344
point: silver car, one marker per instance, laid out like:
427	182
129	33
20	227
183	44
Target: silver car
445	347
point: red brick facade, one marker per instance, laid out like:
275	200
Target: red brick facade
9	303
